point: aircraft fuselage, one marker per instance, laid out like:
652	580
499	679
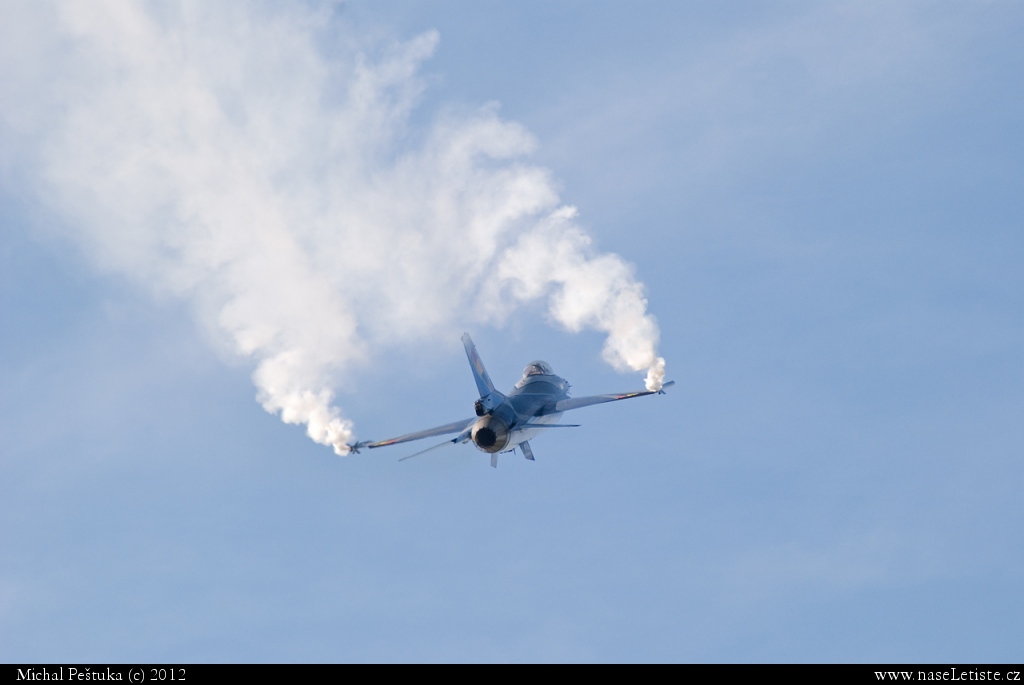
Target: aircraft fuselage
521	414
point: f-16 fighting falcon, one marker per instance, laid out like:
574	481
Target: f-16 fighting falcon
505	422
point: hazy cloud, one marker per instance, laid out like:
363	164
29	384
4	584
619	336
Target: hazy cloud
224	154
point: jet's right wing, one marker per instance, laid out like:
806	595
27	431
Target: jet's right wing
454	427
577	402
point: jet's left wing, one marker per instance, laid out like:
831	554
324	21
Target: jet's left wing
454	427
577	402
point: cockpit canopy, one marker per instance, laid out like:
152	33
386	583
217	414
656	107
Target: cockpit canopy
541	379
537	368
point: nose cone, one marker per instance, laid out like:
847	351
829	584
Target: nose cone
490	434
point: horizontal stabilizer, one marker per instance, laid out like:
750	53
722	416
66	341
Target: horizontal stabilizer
551	425
463	437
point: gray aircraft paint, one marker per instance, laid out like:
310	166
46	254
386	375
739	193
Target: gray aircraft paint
506	422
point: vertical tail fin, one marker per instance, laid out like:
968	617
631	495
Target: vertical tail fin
483	381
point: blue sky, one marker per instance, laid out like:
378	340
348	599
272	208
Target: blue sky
823	203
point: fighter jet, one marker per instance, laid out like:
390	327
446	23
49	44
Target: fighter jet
504	423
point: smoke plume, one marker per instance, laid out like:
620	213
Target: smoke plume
259	163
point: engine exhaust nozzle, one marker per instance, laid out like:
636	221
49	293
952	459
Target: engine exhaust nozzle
490	434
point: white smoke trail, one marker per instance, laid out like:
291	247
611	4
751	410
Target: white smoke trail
218	151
